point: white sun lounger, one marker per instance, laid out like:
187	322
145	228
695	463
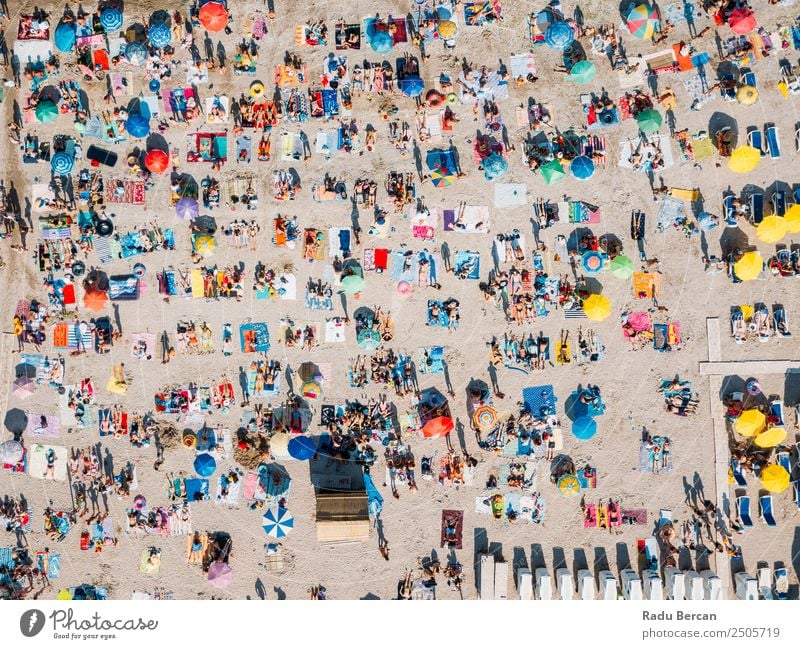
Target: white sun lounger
712	584
746	586
781	583
653	587
544	585
608	585
566	587
487	576
631	585
500	580
675	583
695	590
525	584
765	583
585	585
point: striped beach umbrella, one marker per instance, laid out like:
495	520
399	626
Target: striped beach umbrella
111	19
278	522
559	35
642	21
159	35
62	163
136	53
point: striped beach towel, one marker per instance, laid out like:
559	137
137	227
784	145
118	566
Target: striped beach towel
574	312
102	246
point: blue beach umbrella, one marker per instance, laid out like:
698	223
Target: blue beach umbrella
592	261
111	19
302	448
582	167
137	126
204	465
494	166
159	35
412	86
559	35
64	37
278	522
381	42
584	428
136	53
62	163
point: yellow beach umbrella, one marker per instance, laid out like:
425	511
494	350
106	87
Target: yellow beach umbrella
792	218
747	95
447	29
775	478
64	595
597	307
772	229
743	159
749	266
568	485
751	422
205	245
770	437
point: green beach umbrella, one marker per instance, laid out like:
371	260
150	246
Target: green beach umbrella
552	172
353	284
649	121
46	111
622	266
582	72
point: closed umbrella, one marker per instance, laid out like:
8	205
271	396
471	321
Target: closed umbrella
214	16
62	163
770	438
582	167
649	121
552	172
742	20
159	35
205	465
46	111
775	478
111	19
353	284
220	575
622	266
302	448
64	37
642	21
751	422
187	208
278	522
744	158
597	307
583	72
156	161
772	229
136	53
584	428
749	266
494	166
381	42
568	485
11	452
438	427
412	86
137	126
559	35
792	218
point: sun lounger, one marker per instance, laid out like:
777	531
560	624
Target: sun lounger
746	586
765	582
743	510
776	410
781	583
500	580
695	589
729	210
653	587
738	475
608	585
486	589
756	207
712	585
525	584
779	204
675	583
544	585
767	514
784	459
773	141
781	321
585	585
755	140
566	588
631	585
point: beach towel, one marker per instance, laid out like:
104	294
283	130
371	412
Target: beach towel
423	224
234	489
478	14
453	528
42	425
671	211
522	65
404	266
430	360
291	147
196	489
37	461
467	264
539	400
334	330
469	218
372	25
648	456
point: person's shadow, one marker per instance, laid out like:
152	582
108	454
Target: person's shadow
260	591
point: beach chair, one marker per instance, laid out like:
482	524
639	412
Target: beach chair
781	321
738	326
729	209
756	201
746	586
487	576
566	588
784	459
755	140
796	493
693	585
712	584
585	585
631	585
525	584
653	587
500	580
743	510
781	583
765	582
779	204
675	583
544	585
776	410
767	514
773	141
607	585
738	475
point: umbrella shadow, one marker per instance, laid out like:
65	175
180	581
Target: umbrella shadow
733	239
157	141
720	122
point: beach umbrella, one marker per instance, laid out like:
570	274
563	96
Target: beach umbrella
772	229
159	35
205	465
353	284
220	575
792	218
309	371
552	172
381	42
369	339
742	20
484	417
412	86
559	35
278	522
592	261
205	245
751	422
136	53
447	29
494	166
642	21
137	126
749	266
214	16
156	161
46	111
11	452
597	307
583	72
622	266
775	478
311	390
568	485
302	448
95	300
747	95
438	427
111	19
770	438
582	167
279	445
649	121
744	158
23	387
188	208
584	427
62	163
441	173
64	37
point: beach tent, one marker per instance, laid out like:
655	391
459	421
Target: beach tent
342	516
214	16
64	37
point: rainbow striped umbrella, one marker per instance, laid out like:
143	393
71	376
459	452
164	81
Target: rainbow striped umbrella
643	21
